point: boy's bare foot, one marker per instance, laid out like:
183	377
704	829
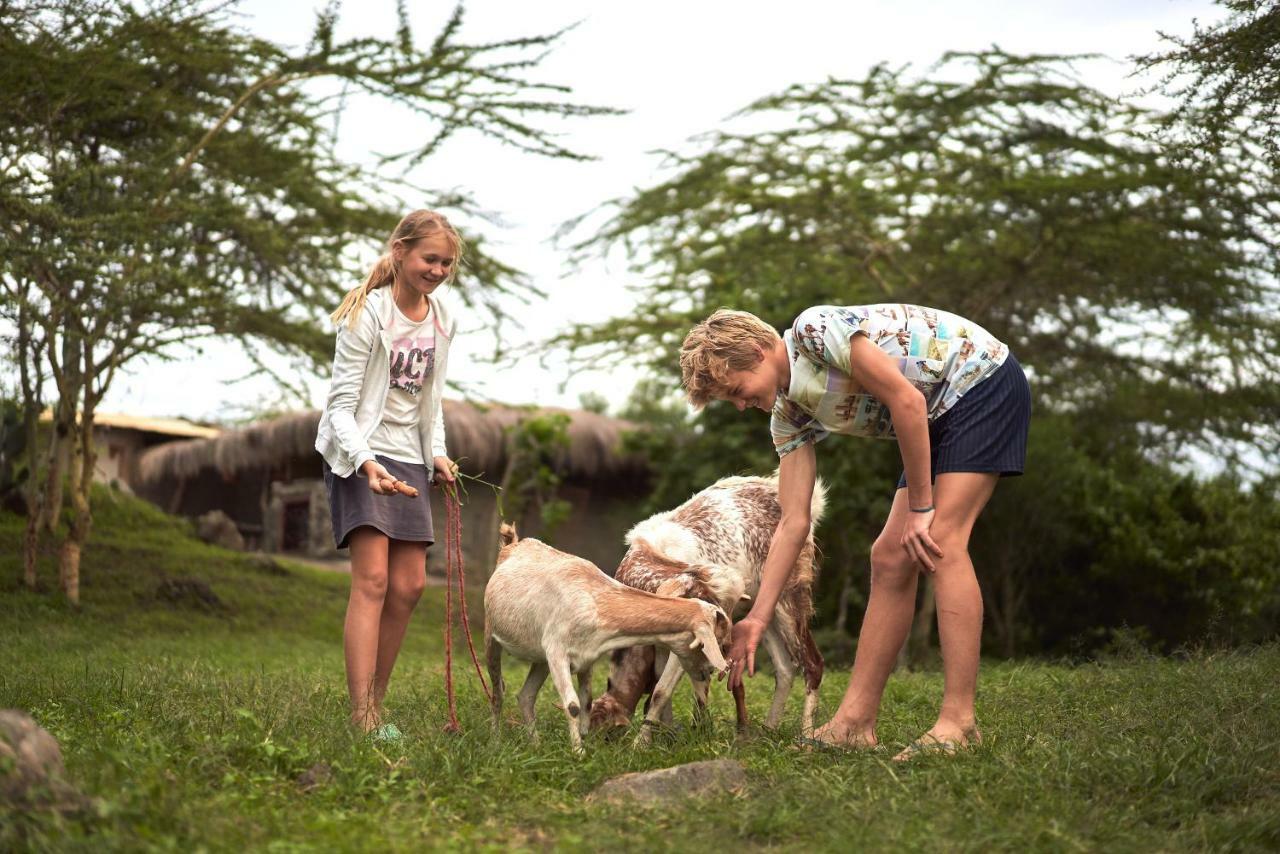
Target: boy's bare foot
940	740
837	734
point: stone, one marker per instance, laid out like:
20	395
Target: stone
189	593
266	563
31	769
673	784
217	528
316	776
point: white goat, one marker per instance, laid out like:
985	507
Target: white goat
562	613
713	548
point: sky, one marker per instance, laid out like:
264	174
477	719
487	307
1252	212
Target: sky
680	69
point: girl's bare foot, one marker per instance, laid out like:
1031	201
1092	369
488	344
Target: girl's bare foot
367	721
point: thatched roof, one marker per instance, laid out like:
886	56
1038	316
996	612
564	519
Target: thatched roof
144	424
477	440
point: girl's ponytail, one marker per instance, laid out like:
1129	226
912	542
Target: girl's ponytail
382	274
415	226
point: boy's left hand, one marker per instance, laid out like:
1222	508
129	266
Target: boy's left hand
742	649
917	542
446	469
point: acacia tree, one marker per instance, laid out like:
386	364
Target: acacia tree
169	177
1140	293
1226	78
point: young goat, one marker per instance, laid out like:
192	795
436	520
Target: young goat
562	613
713	548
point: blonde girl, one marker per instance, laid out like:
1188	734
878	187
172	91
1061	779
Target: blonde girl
383	443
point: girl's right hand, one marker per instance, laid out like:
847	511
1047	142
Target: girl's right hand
380	480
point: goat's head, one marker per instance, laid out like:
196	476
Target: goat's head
711	630
608	714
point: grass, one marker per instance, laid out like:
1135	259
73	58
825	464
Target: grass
190	726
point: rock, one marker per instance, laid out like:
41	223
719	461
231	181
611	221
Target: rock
316	776
266	563
189	593
672	784
217	528
31	769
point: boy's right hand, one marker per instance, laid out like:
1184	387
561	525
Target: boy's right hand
381	481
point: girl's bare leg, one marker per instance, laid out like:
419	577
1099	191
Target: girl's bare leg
369	551
406	578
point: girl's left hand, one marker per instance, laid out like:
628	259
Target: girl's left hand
916	540
446	469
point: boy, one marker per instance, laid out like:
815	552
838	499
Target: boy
957	403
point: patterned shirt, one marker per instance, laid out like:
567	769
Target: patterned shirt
941	354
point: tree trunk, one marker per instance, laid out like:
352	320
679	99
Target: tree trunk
47	503
30	547
59	454
842	606
35	506
28	363
70	386
69	555
916	647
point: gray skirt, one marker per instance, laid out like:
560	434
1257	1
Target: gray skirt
352	504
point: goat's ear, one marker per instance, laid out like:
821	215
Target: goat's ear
677	586
709	646
723	626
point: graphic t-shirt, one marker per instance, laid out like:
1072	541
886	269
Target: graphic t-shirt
413	359
941	354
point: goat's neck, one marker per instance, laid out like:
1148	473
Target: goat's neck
635	616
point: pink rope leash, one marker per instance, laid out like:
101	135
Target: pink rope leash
454	567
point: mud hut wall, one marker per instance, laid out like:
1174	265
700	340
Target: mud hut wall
240	497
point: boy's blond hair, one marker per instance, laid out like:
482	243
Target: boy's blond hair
726	341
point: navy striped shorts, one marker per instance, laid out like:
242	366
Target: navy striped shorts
986	430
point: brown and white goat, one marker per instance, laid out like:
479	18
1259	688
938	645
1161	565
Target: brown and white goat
562	613
713	548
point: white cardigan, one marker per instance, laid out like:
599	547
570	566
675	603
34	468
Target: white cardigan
362	378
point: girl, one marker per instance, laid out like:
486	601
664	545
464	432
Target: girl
381	435
957	403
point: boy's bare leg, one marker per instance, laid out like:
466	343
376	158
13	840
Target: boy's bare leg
369	549
884	629
960	497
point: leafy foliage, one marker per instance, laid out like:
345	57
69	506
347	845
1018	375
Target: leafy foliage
1227	79
1002	189
168	177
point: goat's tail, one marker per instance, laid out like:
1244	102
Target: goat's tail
507	534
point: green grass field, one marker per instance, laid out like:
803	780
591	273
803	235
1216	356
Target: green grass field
190	727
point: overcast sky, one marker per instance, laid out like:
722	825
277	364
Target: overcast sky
680	68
